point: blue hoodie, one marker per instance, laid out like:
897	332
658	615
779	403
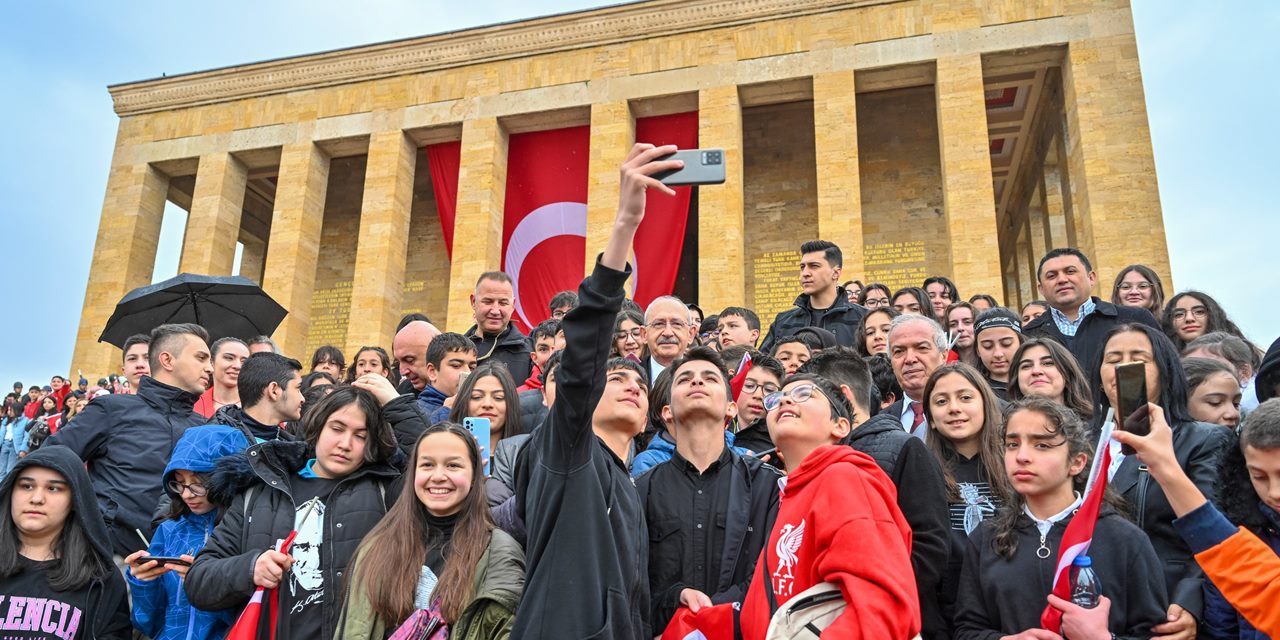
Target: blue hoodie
160	607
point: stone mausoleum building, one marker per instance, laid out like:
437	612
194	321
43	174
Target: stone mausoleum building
952	137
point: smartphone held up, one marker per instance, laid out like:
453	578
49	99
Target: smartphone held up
1131	401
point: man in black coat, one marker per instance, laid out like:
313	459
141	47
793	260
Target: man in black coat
497	338
1077	320
922	491
126	439
587	551
823	302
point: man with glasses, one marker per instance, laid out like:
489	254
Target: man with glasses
837	523
668	332
822	302
708	508
1076	319
914	470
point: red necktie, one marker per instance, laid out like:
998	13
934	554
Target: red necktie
918	417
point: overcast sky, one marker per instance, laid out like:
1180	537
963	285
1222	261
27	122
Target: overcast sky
1207	71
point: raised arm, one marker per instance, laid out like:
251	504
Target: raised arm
588	328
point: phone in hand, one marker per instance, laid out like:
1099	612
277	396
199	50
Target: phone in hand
1131	401
701	166
163	560
479	427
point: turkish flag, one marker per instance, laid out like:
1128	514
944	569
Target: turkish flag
544	230
444	160
660	238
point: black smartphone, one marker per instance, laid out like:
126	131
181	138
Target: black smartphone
701	166
163	560
1131	400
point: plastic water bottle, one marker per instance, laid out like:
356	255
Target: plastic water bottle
1086	589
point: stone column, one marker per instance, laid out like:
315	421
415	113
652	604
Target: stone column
721	251
382	249
1039	227
1053	213
253	258
964	149
124	257
213	225
835	123
613	132
294	246
482	194
1110	161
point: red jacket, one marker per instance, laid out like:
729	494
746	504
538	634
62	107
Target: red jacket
205	406
533	382
838	521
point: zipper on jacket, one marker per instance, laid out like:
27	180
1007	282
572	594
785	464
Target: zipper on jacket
1144	479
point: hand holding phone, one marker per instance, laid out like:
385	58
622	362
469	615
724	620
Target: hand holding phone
701	166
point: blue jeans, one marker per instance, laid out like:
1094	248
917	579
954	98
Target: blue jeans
8	458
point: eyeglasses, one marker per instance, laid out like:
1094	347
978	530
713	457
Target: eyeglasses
876	303
751	386
663	325
559	314
195	488
799	393
1129	286
634	333
1199	313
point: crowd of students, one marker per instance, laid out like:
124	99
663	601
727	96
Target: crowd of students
907	459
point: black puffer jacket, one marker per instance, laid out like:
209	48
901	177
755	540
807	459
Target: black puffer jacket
922	497
1269	373
263	512
841	318
233	416
126	441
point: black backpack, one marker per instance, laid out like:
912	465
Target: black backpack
37	433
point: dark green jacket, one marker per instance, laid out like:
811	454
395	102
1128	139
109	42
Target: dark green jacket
489	615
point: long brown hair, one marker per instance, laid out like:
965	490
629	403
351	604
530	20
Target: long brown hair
1075	389
392	554
1156	304
990	448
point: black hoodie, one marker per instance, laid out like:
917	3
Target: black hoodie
100	609
588	548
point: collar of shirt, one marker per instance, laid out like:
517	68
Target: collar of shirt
1069	327
655	367
692	471
1045	525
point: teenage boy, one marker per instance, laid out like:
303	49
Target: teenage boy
764	378
738	325
270	390
837	522
543	339
587	551
914	470
708	508
450	357
822	301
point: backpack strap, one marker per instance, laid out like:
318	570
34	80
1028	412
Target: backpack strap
768	584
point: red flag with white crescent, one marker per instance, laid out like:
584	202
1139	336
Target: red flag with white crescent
544	230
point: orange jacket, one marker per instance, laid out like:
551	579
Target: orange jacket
1247	572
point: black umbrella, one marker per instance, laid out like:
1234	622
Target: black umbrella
224	305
